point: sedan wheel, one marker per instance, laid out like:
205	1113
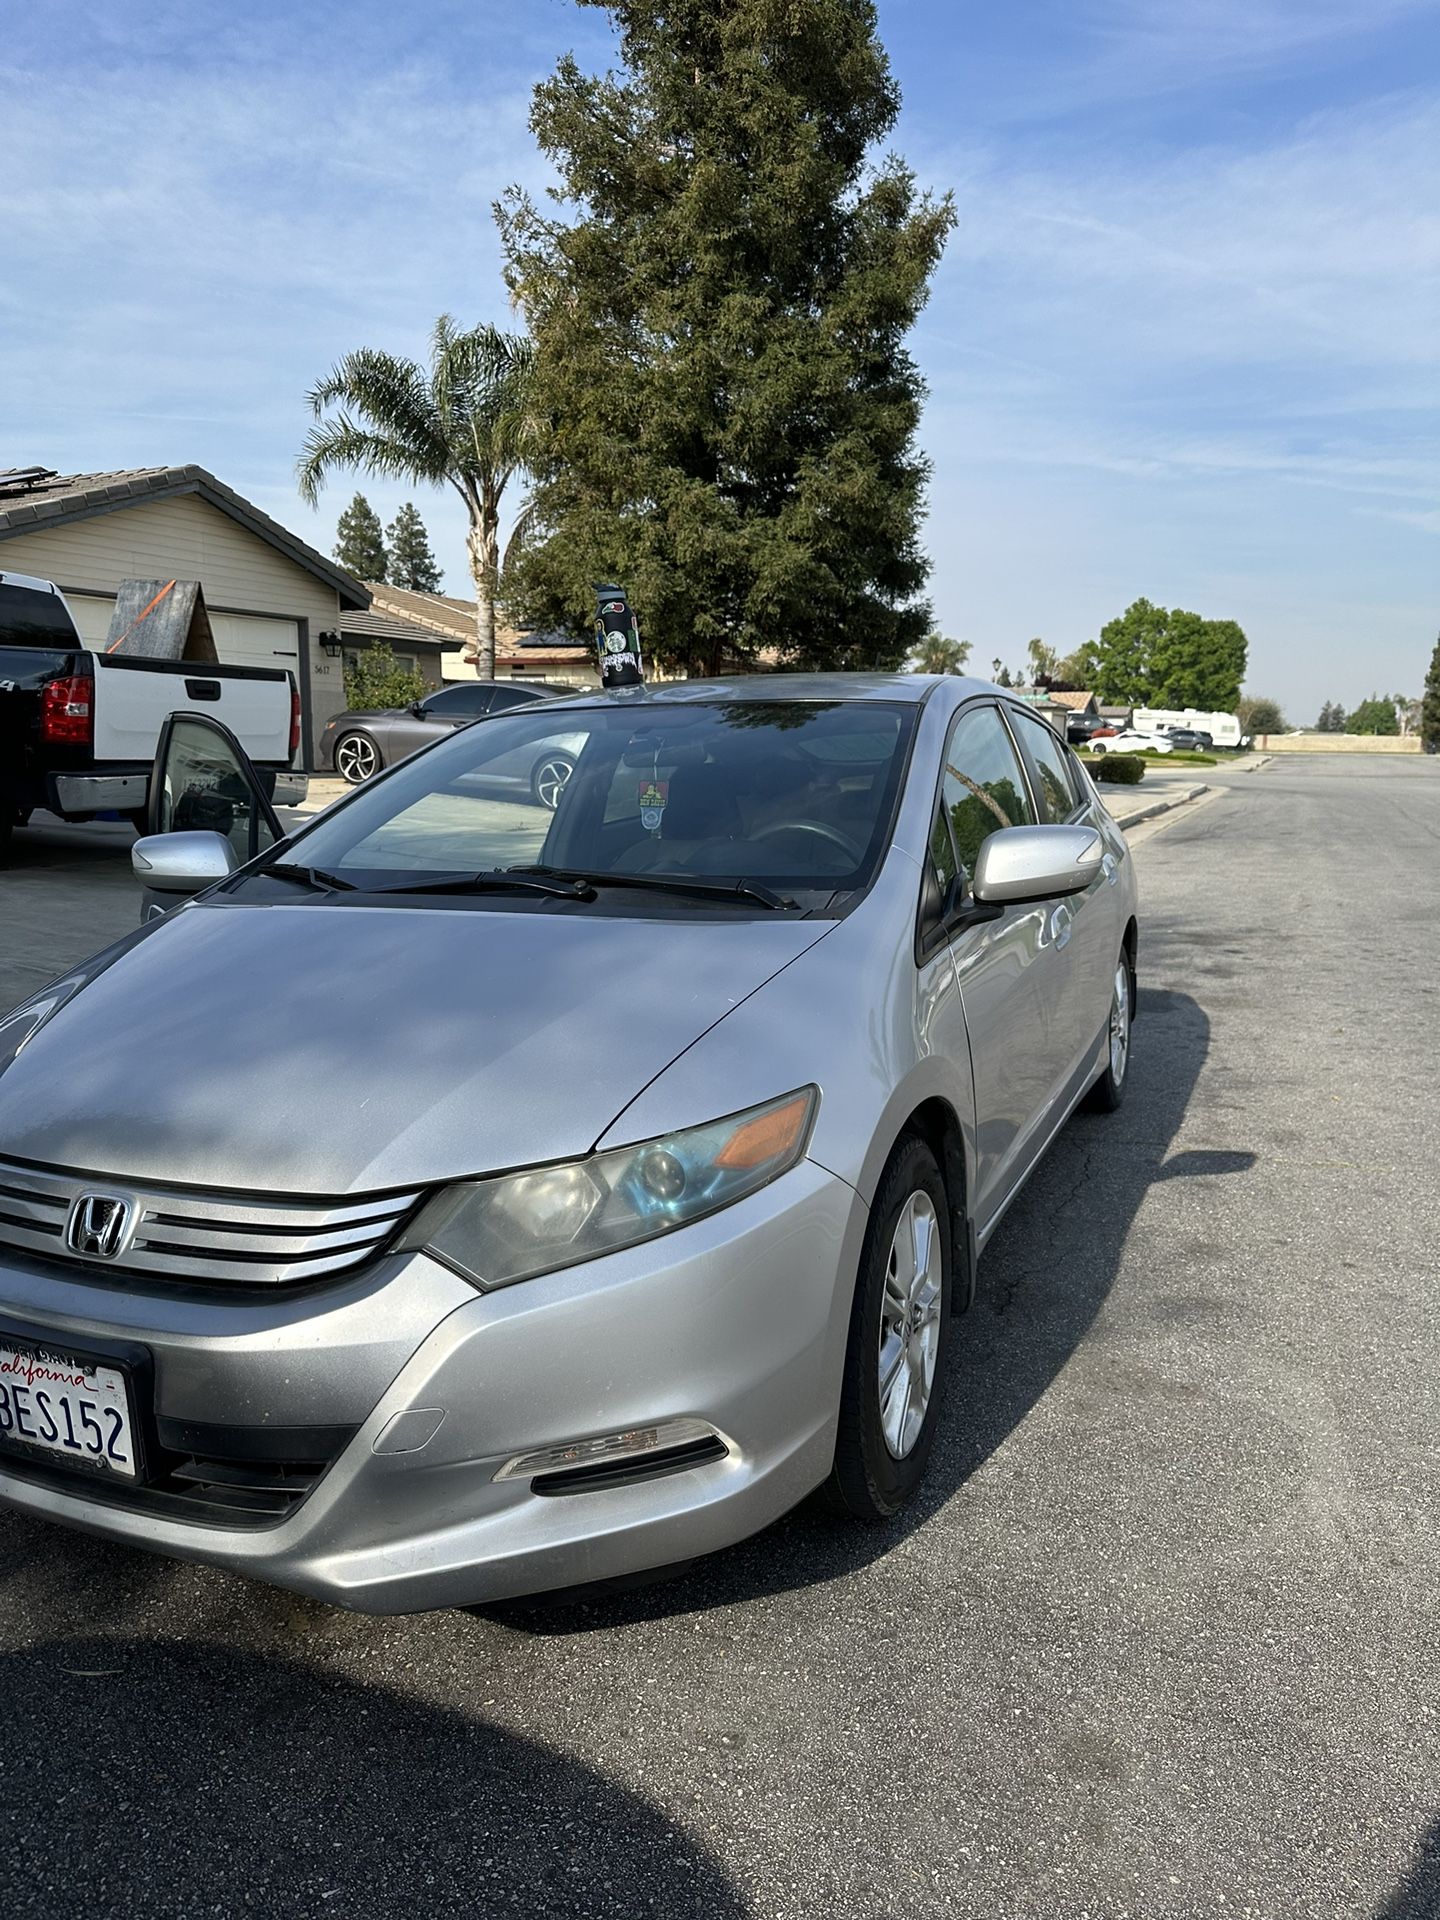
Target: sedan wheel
356	758
910	1324
894	1364
550	779
1109	1090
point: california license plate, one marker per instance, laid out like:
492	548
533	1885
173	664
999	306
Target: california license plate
62	1404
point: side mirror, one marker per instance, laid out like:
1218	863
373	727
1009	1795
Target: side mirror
1019	864
182	862
417	707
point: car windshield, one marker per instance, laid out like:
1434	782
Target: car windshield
794	797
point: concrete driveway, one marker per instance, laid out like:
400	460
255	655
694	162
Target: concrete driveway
1161	1639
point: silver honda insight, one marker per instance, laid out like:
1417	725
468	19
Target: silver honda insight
463	1198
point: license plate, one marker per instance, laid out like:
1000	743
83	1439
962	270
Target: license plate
62	1404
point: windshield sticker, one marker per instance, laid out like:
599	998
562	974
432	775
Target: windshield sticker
653	797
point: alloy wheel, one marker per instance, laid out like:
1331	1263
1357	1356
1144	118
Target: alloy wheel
551	779
356	758
910	1324
1120	1024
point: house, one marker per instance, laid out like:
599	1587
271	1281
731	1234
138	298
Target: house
273	601
519	655
418	649
1045	704
1076	702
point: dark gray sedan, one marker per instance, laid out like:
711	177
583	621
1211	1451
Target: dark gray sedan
357	744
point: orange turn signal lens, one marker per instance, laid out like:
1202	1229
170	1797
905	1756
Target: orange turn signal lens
767	1136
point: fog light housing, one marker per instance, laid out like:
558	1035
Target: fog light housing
631	1444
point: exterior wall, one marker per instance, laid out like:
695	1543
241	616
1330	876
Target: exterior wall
1337	743
185	538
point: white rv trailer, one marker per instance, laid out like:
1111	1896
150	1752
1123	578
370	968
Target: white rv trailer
1223	728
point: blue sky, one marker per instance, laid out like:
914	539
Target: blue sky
1185	341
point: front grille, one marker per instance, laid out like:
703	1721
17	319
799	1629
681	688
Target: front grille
184	1234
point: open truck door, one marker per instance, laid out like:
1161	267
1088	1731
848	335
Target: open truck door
210	812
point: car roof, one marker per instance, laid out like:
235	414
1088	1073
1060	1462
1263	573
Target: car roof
778	687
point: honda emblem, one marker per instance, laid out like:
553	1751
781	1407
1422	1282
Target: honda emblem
99	1225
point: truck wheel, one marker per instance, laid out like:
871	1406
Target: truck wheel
356	757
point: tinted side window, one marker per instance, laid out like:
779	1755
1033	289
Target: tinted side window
984	787
513	697
458	700
1057	790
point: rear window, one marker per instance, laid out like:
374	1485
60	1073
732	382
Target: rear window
29	618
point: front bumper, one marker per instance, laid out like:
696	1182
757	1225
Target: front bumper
738	1321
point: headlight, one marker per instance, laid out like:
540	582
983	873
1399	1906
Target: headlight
520	1224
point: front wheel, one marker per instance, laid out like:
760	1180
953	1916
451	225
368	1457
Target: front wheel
550	778
356	758
894	1378
1109	1090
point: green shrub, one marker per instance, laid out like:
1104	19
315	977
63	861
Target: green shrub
375	680
1125	769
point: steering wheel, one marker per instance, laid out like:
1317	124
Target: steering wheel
818	828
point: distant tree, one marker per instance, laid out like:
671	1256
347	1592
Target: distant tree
1151	657
465	421
360	548
1078	670
1375	715
412	564
720	292
1044	661
1003	678
937	654
1260	716
1126	653
1430	705
1332	718
374	679
1407	712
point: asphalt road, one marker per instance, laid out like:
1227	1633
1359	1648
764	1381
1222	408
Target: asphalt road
1162	1638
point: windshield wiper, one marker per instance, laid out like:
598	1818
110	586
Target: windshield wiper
502	880
309	876
732	890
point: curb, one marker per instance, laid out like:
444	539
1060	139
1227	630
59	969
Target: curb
1157	807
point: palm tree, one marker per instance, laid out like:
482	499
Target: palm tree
466	421
937	654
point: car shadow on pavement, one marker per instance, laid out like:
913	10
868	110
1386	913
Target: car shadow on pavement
156	1776
1418	1895
1043	1279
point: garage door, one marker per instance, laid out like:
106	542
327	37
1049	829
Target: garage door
241	640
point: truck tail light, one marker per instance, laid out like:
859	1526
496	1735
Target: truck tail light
66	717
294	718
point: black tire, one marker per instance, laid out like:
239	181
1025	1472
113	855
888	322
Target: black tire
868	1481
357	758
1109	1090
549	778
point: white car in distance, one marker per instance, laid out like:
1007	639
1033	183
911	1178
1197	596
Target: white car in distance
1132	742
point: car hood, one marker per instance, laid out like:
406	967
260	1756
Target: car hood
318	1049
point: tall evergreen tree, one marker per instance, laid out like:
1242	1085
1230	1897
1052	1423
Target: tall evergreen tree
1375	715
1430	705
412	564
360	546
719	328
